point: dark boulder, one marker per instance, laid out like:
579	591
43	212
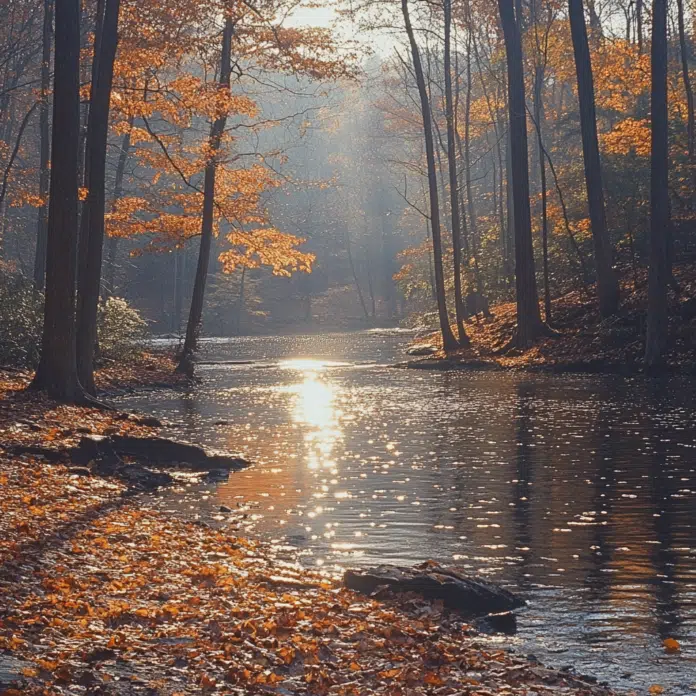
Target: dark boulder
155	451
470	596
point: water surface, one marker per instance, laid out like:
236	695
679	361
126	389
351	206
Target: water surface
577	491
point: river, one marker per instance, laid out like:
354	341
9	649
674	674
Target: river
579	492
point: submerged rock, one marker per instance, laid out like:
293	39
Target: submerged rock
470	596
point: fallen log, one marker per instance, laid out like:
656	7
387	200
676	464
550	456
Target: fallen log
470	596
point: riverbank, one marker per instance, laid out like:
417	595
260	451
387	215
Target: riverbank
108	595
584	342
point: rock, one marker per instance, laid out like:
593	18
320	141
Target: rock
422	350
225	508
221	422
162	451
470	596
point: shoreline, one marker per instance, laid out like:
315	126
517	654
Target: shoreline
591	367
105	592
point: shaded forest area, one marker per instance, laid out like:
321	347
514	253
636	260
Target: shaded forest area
166	167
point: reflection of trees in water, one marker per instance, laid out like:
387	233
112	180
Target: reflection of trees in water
662	487
525	462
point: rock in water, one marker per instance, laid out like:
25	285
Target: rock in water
470	596
421	350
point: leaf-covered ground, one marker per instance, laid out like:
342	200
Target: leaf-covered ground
102	595
584	340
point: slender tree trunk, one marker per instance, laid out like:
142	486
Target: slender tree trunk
607	282
656	338
355	278
179	275
473	222
448	340
112	249
57	371
240	303
691	126
639	24
92	223
44	148
453	183
218	128
529	324
538	116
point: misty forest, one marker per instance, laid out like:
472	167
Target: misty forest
347	347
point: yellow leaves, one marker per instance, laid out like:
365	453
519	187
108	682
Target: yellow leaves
656	690
630	136
671	645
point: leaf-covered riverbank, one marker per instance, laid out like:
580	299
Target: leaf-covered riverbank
584	342
106	596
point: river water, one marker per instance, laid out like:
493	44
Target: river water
579	492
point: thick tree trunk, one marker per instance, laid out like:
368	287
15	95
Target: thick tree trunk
112	250
607	282
529	323
656	338
218	128
92	223
448	340
44	148
57	371
453	183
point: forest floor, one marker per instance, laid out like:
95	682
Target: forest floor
584	342
101	594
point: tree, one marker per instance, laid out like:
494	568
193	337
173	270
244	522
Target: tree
658	277
448	340
44	147
216	131
92	223
529	323
57	371
607	282
453	182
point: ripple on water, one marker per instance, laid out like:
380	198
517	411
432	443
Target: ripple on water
579	492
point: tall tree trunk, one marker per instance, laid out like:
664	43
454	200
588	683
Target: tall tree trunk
57	371
607	282
691	126
240	304
539	77
92	223
639	24
448	340
656	338
44	148
218	128
538	116
453	183
112	249
355	278
473	222
529	324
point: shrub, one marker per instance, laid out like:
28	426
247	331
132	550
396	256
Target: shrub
120	329
21	321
